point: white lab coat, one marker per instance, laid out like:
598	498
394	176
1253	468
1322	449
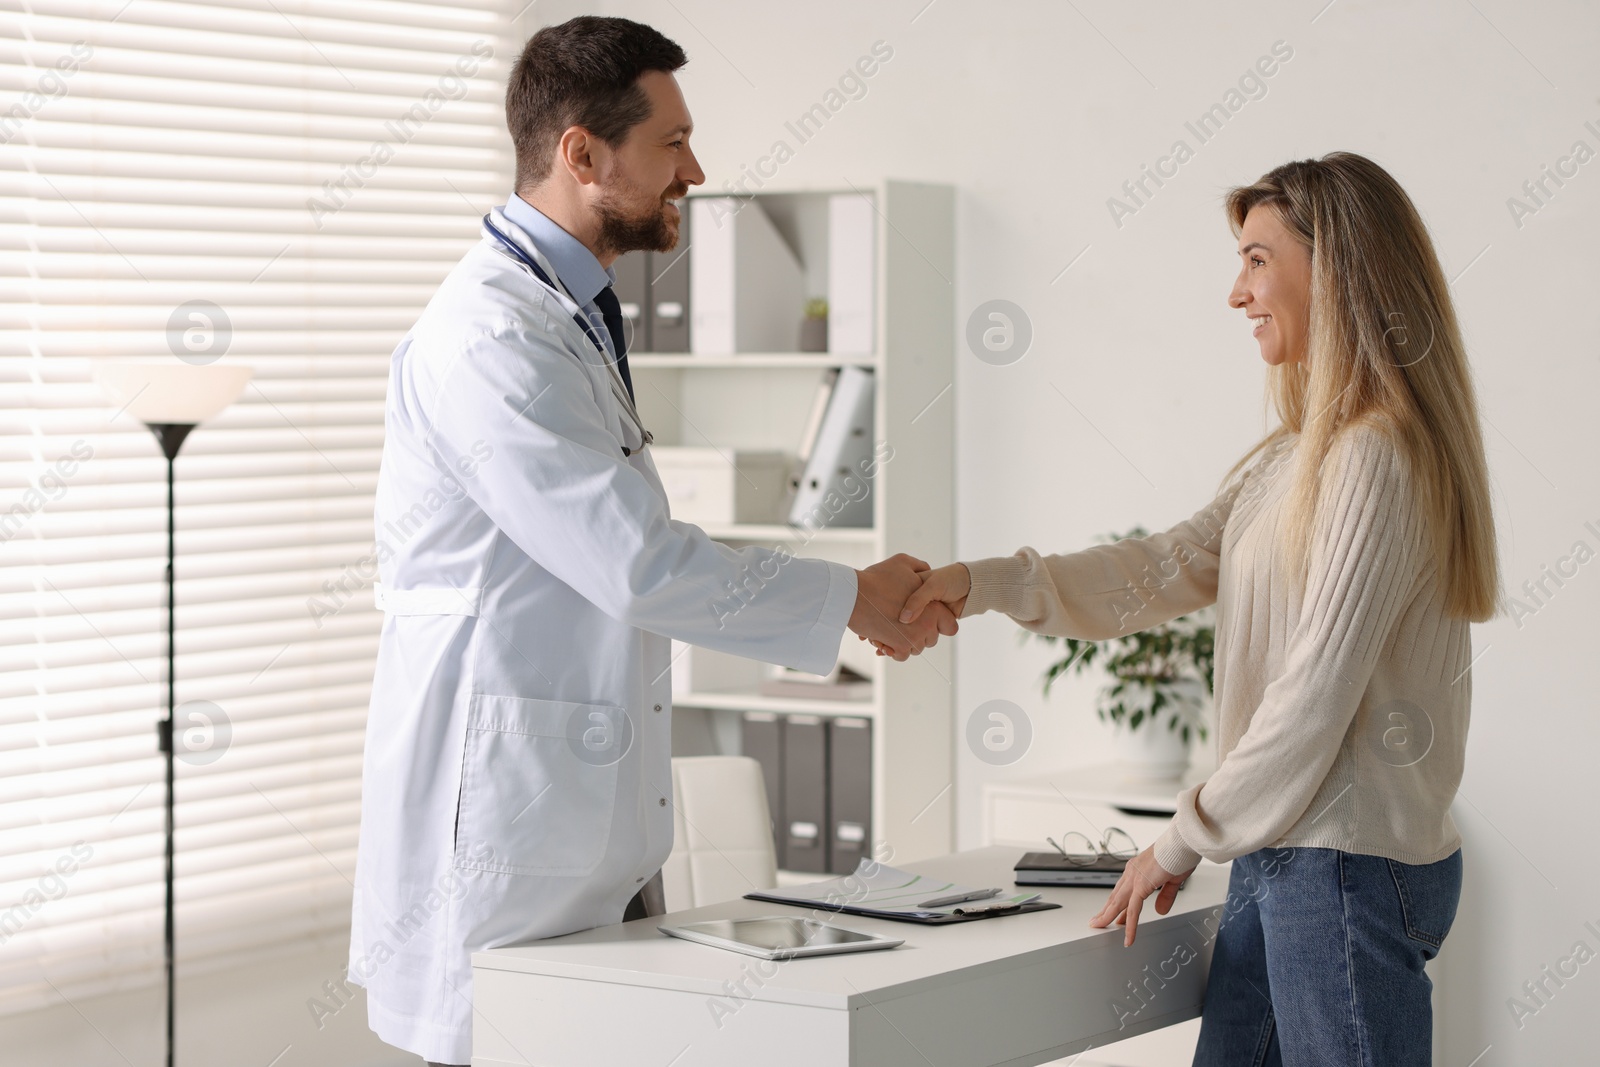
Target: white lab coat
532	579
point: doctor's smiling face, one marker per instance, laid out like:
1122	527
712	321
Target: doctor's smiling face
1274	285
602	133
642	178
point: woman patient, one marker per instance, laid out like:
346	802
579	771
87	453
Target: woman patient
1346	554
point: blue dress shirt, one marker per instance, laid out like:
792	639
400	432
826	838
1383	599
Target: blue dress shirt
574	264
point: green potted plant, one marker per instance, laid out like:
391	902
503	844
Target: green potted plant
814	327
1159	680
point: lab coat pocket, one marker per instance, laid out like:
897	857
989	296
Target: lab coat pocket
538	785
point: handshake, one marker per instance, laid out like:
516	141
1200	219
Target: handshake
903	605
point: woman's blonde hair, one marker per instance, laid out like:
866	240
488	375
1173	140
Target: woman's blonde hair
1382	348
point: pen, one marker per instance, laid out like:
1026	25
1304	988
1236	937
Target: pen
958	898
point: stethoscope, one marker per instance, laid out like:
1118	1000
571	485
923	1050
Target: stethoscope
544	273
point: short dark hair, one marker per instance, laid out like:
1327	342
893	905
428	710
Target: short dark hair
584	72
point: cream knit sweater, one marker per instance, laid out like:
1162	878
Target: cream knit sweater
1342	706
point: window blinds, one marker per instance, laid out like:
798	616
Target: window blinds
264	182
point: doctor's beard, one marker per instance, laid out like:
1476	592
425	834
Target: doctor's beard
625	229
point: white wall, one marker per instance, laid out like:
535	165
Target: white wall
1037	117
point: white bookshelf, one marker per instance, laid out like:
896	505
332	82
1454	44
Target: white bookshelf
760	400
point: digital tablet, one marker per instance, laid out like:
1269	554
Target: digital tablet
779	937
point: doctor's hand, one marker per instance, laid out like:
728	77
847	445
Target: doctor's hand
1140	878
881	593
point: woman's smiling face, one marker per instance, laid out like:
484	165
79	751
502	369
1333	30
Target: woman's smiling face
1274	286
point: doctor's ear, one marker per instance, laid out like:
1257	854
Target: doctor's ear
582	155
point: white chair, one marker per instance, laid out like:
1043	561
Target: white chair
722	837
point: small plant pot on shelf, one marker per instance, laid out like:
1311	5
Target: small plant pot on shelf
813	335
814	327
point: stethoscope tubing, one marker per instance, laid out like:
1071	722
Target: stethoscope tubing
619	388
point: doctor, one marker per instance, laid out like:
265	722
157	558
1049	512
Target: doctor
517	779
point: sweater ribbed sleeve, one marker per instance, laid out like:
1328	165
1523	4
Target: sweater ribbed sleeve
1108	590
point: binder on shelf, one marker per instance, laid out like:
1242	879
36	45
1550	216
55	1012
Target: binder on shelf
818	776
746	288
852	270
849	793
808	434
761	738
633	293
653	289
832	490
819	408
805	794
668	304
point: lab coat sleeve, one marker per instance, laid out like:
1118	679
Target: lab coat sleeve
561	489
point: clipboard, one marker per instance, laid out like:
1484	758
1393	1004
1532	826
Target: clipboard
961	913
877	891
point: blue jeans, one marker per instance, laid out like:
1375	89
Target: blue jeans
1318	960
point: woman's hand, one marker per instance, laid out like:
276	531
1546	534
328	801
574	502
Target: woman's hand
1141	877
881	594
948	585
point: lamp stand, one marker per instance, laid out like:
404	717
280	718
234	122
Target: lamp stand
171	435
171	398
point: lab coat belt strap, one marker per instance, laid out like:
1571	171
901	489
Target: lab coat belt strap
427	600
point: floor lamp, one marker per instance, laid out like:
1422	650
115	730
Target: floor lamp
171	399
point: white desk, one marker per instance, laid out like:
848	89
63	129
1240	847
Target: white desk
1021	812
1017	990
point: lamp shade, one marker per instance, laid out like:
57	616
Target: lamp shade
167	393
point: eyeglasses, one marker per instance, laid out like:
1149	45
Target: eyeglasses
1081	850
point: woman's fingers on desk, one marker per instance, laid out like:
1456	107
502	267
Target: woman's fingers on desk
1168	895
1142	877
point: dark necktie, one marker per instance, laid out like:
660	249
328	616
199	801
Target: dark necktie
611	311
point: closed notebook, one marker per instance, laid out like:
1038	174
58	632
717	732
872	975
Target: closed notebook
1052	868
